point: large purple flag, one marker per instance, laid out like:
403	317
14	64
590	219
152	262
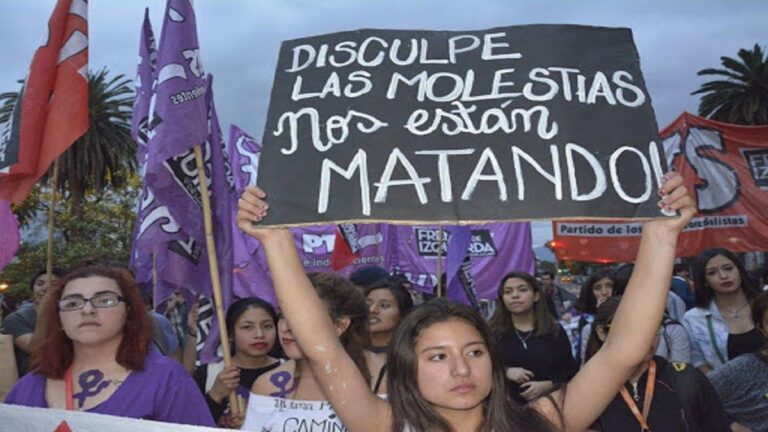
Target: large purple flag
9	232
219	177
495	249
143	87
180	118
250	275
458	268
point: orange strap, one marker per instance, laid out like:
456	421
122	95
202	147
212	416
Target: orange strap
650	387
68	389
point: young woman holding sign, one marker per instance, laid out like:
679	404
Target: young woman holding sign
659	395
291	395
96	357
443	374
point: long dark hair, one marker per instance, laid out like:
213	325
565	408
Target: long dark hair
399	292
344	300
587	302
543	322
705	293
238	308
410	409
603	318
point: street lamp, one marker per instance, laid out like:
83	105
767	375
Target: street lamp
3	286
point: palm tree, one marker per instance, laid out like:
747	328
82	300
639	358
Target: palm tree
105	154
742	97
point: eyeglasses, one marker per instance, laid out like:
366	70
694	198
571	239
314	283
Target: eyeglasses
100	300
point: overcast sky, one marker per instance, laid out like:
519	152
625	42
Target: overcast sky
240	39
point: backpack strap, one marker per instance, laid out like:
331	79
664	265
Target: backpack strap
713	340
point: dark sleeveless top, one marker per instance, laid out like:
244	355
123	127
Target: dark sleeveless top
744	343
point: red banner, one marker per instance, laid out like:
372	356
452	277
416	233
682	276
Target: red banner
726	168
53	102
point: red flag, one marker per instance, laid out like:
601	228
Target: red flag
53	102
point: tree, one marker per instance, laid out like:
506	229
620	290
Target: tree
106	154
106	234
742	97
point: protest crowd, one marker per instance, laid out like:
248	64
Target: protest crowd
226	318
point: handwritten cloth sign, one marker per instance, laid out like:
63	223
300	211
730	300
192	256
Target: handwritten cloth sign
265	413
538	121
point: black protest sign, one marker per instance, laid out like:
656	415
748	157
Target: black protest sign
526	122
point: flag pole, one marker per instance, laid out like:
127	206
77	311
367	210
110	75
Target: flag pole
41	327
154	280
440	261
51	218
213	265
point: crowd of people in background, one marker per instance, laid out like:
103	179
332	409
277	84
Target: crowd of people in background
642	346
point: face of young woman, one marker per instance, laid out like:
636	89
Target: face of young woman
90	325
722	275
288	341
602	289
519	297
40	287
384	314
255	332
454	366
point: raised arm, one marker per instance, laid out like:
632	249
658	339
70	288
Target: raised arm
343	384
637	318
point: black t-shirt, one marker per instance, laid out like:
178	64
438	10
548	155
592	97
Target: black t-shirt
549	357
247	378
683	400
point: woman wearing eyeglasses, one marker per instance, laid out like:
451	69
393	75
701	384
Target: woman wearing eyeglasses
96	357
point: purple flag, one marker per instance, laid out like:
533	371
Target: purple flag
179	120
9	232
495	249
244	154
143	87
459	280
250	274
180	117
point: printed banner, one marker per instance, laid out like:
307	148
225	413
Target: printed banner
526	122
494	250
726	168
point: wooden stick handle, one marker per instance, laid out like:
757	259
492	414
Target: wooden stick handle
440	261
213	264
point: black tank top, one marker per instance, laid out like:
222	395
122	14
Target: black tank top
744	343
